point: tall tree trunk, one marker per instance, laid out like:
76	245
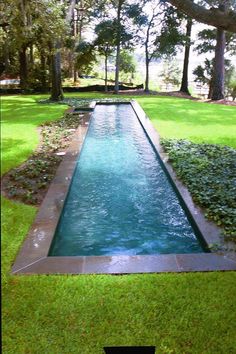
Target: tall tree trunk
219	70
56	89
106	58
6	58
147	61
31	56
23	68
71	54
22	51
70	59
210	89
43	71
75	75
118	47
78	27
184	83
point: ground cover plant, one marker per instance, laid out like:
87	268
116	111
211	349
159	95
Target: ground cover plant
178	313
209	172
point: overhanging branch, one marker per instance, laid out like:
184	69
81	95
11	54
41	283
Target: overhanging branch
213	17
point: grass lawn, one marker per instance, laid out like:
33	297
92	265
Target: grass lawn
20	117
191	120
178	313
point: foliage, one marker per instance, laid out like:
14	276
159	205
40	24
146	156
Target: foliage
170	73
86	57
30	23
209	171
105	41
171	36
207	41
230	82
127	64
203	74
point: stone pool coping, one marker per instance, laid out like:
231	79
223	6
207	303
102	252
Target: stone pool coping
33	255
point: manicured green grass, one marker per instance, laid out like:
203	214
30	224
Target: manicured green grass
178	313
191	120
20	117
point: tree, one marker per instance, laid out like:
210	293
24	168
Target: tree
172	37
126	15
162	33
232	86
219	68
118	43
29	26
230	82
220	42
204	75
56	86
225	19
170	74
127	64
56	90
184	81
150	29
105	42
84	12
86	57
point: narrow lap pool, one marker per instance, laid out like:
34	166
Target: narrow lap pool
120	200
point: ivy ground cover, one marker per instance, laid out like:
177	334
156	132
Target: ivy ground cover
209	172
178	313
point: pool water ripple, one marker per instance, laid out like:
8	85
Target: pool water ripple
120	201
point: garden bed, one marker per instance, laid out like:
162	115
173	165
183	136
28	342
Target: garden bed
29	182
209	172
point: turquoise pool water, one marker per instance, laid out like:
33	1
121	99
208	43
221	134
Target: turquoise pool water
120	201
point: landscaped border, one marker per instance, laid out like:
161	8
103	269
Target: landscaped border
33	256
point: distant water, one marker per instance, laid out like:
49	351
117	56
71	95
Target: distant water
120	201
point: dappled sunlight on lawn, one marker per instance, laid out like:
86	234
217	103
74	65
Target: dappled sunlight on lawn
192	120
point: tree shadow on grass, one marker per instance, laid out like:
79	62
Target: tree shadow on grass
14	112
190	112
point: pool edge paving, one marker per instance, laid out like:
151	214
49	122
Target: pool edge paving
33	255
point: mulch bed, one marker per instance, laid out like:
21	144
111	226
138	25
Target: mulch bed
225	102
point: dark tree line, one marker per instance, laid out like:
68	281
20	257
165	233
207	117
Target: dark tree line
51	29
